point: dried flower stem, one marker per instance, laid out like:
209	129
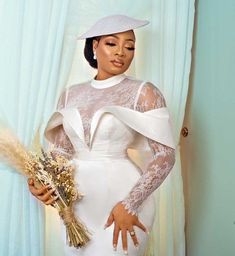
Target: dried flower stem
48	169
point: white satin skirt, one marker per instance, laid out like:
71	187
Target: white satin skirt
105	181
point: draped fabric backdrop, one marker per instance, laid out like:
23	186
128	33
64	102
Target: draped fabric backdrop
38	42
31	43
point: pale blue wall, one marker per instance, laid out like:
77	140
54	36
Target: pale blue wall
209	150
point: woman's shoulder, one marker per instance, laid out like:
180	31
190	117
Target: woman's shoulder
133	80
145	87
145	84
69	93
150	97
78	86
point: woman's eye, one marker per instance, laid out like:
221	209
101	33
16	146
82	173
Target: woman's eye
130	48
110	44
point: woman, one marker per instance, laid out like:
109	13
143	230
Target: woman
95	123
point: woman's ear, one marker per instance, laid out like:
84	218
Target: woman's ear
95	44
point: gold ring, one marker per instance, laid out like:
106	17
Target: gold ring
132	233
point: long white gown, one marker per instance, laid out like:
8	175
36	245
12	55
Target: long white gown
95	123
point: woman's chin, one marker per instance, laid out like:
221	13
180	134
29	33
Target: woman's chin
118	70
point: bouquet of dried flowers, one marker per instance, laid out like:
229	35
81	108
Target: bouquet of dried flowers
50	169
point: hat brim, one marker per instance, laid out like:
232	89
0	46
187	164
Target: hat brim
112	25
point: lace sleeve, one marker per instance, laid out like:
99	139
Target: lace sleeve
61	143
162	160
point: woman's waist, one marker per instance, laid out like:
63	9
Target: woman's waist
93	155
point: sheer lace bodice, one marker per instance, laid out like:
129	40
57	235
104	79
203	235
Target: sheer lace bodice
89	97
126	92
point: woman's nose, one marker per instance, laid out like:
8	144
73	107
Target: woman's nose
120	52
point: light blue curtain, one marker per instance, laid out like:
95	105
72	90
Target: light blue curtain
31	49
170	62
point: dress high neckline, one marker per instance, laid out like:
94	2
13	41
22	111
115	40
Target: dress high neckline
109	82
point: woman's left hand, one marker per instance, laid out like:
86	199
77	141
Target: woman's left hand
124	222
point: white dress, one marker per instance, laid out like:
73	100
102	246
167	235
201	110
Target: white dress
95	123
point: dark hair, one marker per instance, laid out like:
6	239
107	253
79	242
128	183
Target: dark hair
88	51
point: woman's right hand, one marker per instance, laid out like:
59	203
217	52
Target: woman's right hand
42	193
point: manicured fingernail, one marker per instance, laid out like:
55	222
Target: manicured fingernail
105	226
137	246
125	252
114	247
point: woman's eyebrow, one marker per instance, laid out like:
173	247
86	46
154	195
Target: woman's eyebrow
128	39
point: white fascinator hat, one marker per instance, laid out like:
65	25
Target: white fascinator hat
113	24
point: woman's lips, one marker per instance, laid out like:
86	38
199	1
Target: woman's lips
117	63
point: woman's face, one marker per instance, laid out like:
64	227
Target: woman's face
114	53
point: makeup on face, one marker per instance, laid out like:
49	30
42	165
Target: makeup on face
114	53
